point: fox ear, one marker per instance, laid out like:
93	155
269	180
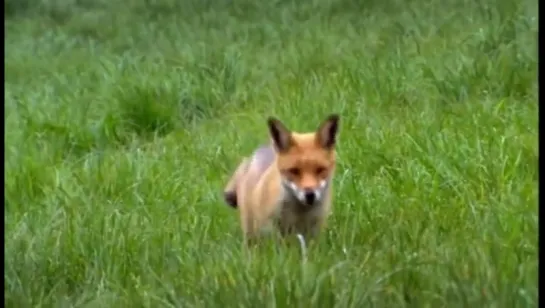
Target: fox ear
328	131
281	136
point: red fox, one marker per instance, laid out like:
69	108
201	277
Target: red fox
286	185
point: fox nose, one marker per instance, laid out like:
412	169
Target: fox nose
310	196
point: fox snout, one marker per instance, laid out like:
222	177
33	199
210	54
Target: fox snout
308	195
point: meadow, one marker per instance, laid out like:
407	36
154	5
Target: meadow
123	121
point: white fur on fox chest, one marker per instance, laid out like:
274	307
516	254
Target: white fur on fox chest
289	215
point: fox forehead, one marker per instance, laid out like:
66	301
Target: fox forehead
306	151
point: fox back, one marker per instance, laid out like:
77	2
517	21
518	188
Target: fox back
286	184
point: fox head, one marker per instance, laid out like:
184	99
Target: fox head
306	161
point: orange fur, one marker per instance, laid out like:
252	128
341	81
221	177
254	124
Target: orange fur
288	184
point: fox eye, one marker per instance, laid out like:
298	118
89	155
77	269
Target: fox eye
320	170
294	171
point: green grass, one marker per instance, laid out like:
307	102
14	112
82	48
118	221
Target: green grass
124	121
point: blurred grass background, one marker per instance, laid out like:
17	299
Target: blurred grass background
124	120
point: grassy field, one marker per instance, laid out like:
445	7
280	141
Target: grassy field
124	120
